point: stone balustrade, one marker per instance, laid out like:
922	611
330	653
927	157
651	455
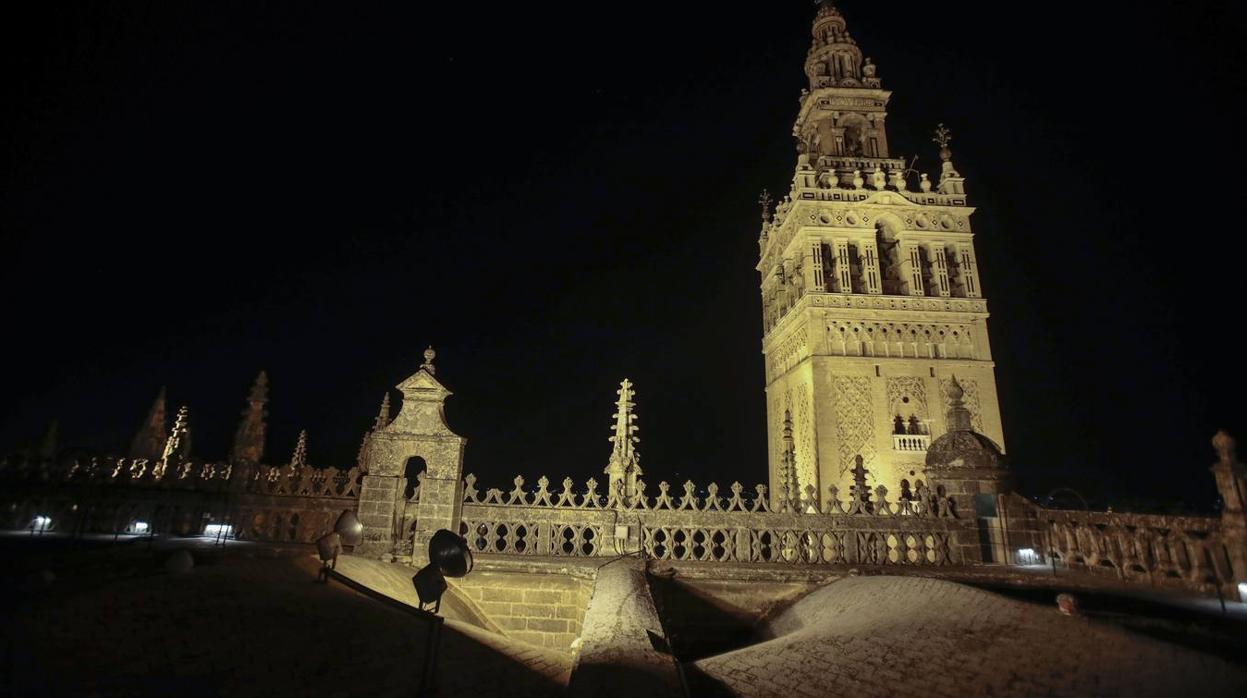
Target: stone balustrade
704	526
911	443
115	495
1179	551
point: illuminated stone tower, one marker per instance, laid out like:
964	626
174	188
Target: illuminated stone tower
870	288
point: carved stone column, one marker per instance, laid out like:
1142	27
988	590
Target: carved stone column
869	251
968	269
939	269
843	268
816	266
911	269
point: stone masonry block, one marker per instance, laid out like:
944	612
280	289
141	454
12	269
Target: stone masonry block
535	610
543	597
547	625
512	623
502	594
496	609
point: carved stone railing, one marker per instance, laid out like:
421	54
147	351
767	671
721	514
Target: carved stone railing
912	443
709	527
304	481
1179	551
112	495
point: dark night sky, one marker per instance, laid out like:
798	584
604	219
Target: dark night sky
560	195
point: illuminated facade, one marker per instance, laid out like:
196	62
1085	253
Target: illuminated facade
870	290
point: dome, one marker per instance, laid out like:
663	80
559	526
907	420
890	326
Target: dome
964	449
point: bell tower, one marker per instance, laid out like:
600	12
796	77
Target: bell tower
870	288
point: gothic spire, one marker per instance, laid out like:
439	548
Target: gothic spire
298	461
149	442
788	463
624	463
178	446
250	435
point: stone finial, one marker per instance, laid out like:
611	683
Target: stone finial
429	355
954	392
149	441
877	179
249	437
860	490
1226	447
959	418
942	138
765	201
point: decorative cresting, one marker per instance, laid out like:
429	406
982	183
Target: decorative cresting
418	432
703	525
107	494
624	466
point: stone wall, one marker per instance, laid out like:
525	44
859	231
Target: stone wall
377	501
543	606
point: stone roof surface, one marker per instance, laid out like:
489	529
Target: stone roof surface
897	636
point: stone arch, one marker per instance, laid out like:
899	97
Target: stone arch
855	129
412	469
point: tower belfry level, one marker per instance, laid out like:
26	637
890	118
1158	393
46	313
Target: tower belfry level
870	288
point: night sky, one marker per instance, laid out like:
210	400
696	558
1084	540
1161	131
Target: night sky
559	195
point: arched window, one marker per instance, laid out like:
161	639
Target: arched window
411	471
